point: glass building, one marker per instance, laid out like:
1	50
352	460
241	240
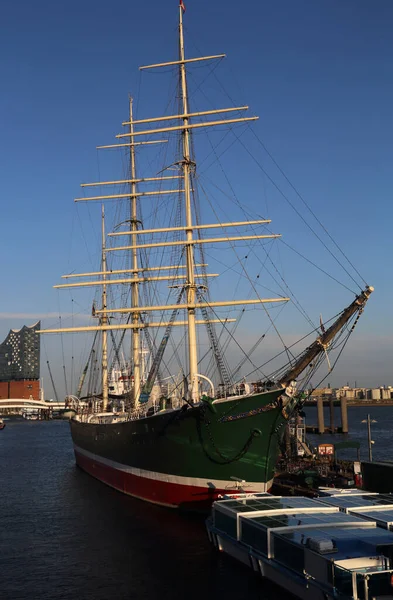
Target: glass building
20	354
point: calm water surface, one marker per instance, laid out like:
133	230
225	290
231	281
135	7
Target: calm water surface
64	535
381	431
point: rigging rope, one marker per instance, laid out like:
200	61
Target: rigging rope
298	213
307	206
252	284
298	194
295	190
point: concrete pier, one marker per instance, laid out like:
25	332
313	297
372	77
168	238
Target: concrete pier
344	415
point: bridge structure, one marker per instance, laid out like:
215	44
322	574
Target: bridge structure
29	403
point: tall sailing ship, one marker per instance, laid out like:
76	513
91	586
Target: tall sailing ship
181	430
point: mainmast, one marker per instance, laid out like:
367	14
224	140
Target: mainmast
104	321
187	165
136	349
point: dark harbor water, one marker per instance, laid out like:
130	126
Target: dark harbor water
64	535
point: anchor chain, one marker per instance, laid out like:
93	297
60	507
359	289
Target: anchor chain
225	460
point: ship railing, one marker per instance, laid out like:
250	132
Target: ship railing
137	413
243	388
153	407
362	582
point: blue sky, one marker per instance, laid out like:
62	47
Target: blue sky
319	75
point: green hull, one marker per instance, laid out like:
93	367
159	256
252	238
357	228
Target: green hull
204	448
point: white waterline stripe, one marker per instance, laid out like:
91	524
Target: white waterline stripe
176	479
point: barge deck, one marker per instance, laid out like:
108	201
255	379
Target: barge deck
313	550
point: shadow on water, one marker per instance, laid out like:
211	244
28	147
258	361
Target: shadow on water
65	535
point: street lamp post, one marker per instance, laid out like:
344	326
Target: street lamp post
370	441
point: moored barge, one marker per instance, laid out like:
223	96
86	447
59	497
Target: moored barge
366	505
312	550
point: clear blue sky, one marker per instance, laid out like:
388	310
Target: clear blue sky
319	75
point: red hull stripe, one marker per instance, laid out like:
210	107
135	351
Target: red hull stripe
158	491
167	477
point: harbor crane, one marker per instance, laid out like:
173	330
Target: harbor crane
53	383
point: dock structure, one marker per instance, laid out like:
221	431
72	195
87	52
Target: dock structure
344	415
320	427
377	476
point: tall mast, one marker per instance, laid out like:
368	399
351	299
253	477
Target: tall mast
104	321
136	350
186	166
